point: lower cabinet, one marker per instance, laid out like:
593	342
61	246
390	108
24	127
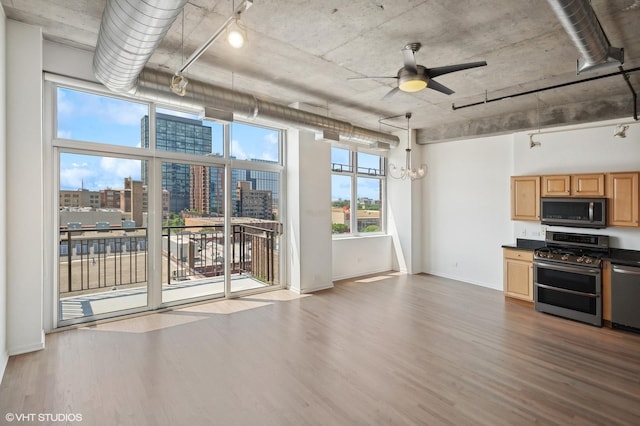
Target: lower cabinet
518	274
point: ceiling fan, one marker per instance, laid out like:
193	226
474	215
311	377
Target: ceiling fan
413	77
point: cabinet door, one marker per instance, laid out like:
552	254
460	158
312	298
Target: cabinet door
588	185
518	279
525	198
556	186
623	199
518	274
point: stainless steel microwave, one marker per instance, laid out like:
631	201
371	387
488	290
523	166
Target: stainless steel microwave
574	212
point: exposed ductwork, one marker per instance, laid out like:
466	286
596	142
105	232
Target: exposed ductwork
129	33
154	85
580	22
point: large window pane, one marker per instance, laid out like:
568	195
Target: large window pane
340	204
96	118
255	247
254	143
370	164
185	133
341	160
193	231
369	192
102	236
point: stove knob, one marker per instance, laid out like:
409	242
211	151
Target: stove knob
565	257
588	260
580	259
549	255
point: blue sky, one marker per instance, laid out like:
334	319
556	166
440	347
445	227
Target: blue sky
94	118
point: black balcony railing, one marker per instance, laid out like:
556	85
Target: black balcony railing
94	258
99	258
194	251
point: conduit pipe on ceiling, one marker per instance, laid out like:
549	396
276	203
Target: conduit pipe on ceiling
129	33
154	85
580	22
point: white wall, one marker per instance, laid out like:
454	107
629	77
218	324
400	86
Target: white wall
353	257
4	356
308	212
467	195
466	205
24	231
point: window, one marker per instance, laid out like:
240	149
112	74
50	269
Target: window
357	185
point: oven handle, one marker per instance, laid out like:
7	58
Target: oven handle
623	270
576	269
564	290
591	211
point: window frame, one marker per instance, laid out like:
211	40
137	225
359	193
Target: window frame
352	171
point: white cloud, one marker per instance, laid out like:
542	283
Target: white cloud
271	138
64	134
237	151
77	176
120	168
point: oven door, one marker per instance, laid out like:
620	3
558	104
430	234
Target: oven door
568	291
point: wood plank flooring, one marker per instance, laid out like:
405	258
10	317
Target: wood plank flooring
390	349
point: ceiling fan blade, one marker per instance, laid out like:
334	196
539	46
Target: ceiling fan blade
368	78
439	87
409	60
390	93
434	72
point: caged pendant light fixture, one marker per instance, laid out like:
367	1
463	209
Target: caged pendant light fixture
407	171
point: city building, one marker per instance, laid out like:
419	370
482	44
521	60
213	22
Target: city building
254	203
79	198
181	135
200	194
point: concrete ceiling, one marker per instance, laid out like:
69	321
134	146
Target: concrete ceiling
305	51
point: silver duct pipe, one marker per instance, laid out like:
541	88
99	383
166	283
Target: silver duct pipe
580	22
129	33
154	86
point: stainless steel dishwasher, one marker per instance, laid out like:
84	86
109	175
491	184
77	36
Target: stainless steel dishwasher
625	297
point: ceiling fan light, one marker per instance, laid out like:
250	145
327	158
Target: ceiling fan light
412	85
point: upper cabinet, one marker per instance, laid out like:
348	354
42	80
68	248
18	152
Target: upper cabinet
624	194
591	185
584	185
556	186
525	198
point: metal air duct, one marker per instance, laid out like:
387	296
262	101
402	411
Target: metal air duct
580	22
154	86
129	33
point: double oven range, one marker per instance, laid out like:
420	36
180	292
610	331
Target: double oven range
567	275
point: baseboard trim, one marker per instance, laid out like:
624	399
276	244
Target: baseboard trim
28	348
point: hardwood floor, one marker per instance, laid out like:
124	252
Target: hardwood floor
389	349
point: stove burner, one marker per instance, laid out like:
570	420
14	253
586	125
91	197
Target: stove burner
569	256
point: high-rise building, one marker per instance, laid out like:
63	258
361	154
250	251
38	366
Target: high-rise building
177	134
254	203
199	200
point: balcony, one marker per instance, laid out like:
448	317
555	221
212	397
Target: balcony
105	269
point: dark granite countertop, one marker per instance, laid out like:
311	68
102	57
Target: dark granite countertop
616	256
524	244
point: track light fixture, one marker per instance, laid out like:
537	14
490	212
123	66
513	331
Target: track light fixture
236	33
179	84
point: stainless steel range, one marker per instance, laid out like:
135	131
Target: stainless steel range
567	276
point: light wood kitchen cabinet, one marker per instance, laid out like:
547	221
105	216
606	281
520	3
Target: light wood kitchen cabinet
583	185
525	198
623	193
606	292
591	185
556	186
518	274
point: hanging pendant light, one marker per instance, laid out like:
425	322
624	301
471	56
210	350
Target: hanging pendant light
408	171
